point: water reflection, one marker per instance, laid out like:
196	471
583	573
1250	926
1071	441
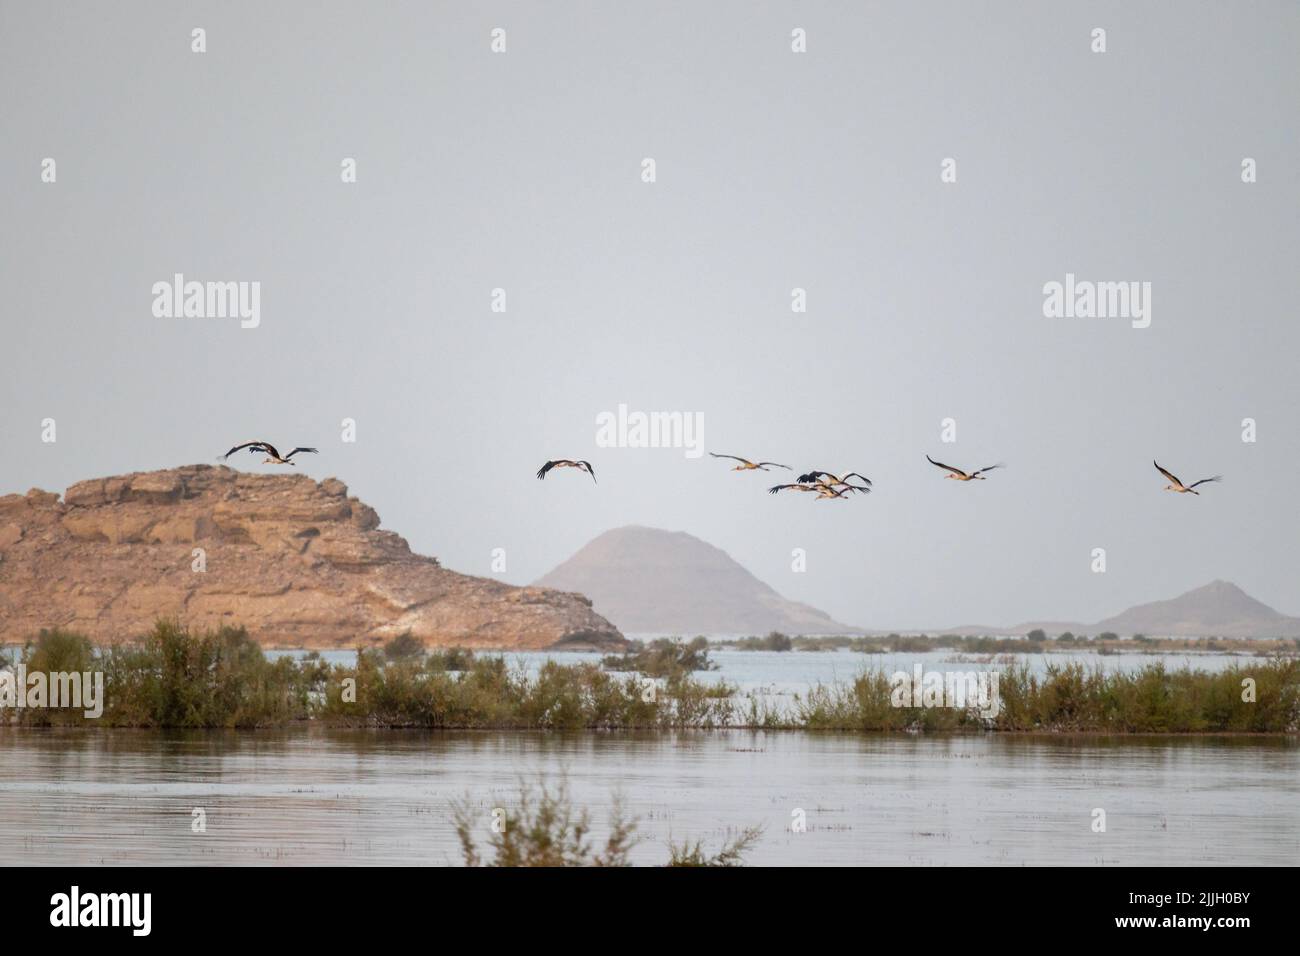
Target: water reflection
382	797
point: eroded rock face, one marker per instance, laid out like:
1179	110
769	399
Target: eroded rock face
299	563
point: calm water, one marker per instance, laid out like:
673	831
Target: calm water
382	797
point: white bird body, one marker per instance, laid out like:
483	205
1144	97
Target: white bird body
273	456
567	463
747	465
824	489
1178	486
956	474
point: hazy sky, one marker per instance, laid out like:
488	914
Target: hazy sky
775	170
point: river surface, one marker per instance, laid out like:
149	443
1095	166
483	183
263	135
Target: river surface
320	796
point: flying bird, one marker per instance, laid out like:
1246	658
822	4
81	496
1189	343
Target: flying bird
747	465
823	489
791	487
958	474
1178	486
566	463
273	456
849	486
831	479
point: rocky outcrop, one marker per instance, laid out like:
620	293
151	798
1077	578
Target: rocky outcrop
297	562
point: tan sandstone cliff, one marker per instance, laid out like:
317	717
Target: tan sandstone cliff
297	562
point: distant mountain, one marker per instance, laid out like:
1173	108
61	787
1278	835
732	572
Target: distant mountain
1051	628
650	581
1218	609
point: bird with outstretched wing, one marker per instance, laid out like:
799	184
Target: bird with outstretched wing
567	463
747	465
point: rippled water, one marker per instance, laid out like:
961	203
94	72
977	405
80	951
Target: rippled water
374	797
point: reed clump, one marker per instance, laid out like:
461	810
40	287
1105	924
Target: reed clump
1258	698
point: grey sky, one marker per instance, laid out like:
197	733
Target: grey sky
775	170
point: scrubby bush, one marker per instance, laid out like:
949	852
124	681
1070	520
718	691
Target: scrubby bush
775	641
664	657
452	659
404	647
731	853
544	830
176	678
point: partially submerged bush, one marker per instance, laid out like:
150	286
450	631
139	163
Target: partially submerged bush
56	652
59	651
176	678
1073	698
404	647
487	694
731	853
452	659
775	641
545	830
663	657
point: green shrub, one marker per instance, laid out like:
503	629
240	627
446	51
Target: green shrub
775	641
404	647
731	853
544	830
664	657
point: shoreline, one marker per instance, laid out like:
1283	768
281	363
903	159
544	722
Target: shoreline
314	724
177	678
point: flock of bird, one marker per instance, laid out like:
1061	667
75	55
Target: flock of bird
828	486
824	484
